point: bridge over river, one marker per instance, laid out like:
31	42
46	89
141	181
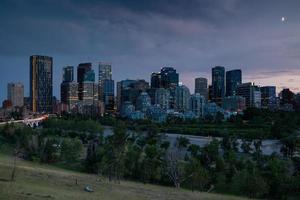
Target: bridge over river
32	122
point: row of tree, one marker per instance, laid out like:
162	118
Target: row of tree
148	157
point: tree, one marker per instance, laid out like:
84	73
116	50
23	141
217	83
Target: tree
182	142
174	167
246	146
251	184
152	164
71	150
197	177
114	152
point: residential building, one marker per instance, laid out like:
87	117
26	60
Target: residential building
143	102
197	103
182	98
162	98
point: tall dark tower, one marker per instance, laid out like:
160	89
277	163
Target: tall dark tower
41	83
68	74
233	79
218	84
68	87
169	77
82	71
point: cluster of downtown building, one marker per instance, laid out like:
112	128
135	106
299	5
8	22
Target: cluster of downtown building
164	97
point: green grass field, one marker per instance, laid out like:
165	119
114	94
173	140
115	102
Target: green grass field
36	181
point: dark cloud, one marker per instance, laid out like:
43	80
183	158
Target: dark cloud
140	36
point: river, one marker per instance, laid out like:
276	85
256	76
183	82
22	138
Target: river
268	146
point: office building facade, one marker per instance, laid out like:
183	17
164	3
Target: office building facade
218	84
201	87
251	93
15	93
268	97
233	79
41	83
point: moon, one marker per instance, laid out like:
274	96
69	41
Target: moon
283	19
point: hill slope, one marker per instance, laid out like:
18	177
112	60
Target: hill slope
35	181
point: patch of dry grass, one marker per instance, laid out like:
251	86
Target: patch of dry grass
35	181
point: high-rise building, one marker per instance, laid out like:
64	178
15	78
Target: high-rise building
197	103
169	77
233	79
122	86
210	93
201	87
68	74
82	70
156	80
90	89
129	90
182	98
108	93
106	86
105	72
162	98
68	87
41	83
143	102
166	78
251	93
218	84
268	96
15	93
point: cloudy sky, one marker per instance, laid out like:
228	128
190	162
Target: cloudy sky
141	36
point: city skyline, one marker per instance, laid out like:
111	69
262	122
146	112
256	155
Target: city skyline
235	34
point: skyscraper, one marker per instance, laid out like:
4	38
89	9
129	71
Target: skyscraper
15	93
201	87
104	71
106	85
218	84
233	79
166	78
68	87
156	80
108	94
169	77
90	89
82	70
41	85
68	74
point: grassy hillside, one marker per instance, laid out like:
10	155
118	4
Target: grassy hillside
35	181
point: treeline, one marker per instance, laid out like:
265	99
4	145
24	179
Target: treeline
217	167
149	158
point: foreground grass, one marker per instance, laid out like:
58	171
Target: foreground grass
35	181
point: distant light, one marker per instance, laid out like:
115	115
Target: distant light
283	19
